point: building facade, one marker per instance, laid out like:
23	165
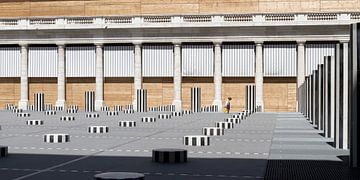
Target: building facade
65	48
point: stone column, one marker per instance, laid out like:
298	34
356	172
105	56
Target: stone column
61	76
345	87
99	80
217	75
177	77
137	72
300	71
259	75
24	85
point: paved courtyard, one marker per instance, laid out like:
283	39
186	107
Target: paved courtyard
242	153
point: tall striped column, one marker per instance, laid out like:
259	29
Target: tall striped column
24	85
339	97
195	99
39	102
250	98
141	96
99	80
300	69
137	72
61	77
177	77
354	108
259	75
217	75
89	101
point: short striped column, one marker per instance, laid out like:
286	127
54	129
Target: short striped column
56	138
67	118
105	108
175	114
186	112
48	107
89	101
16	110
39	103
250	98
141	98
148	119
212	131
233	120
50	112
112	113
59	108
129	111
31	108
169	155
164	116
24	114
196	140
129	106
225	125
34	122
98	129
127	124
92	115
238	116
71	111
118	108
195	99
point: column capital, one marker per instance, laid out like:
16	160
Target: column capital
99	45
259	43
60	44
217	43
344	41
137	43
301	42
176	43
23	45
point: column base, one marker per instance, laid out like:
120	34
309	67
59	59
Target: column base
98	105
219	104
60	103
262	106
23	104
134	103
178	105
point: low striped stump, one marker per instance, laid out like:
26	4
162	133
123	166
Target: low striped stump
186	112
50	113
196	140
238	116
34	122
119	176
127	124
3	151
148	119
59	108
23	115
225	125
98	129
175	114
233	120
30	108
56	138
129	111
212	131
105	108
164	116
112	113
247	113
67	118
92	115
17	110
71	111
118	108
169	155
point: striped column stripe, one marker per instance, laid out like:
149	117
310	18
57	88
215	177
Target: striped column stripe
141	97
196	140
39	102
56	138
89	101
250	98
195	99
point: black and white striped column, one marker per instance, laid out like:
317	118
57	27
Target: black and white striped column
196	140
56	138
354	101
250	98
195	99
141	98
39	102
89	101
169	155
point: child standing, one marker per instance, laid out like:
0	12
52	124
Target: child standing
228	104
